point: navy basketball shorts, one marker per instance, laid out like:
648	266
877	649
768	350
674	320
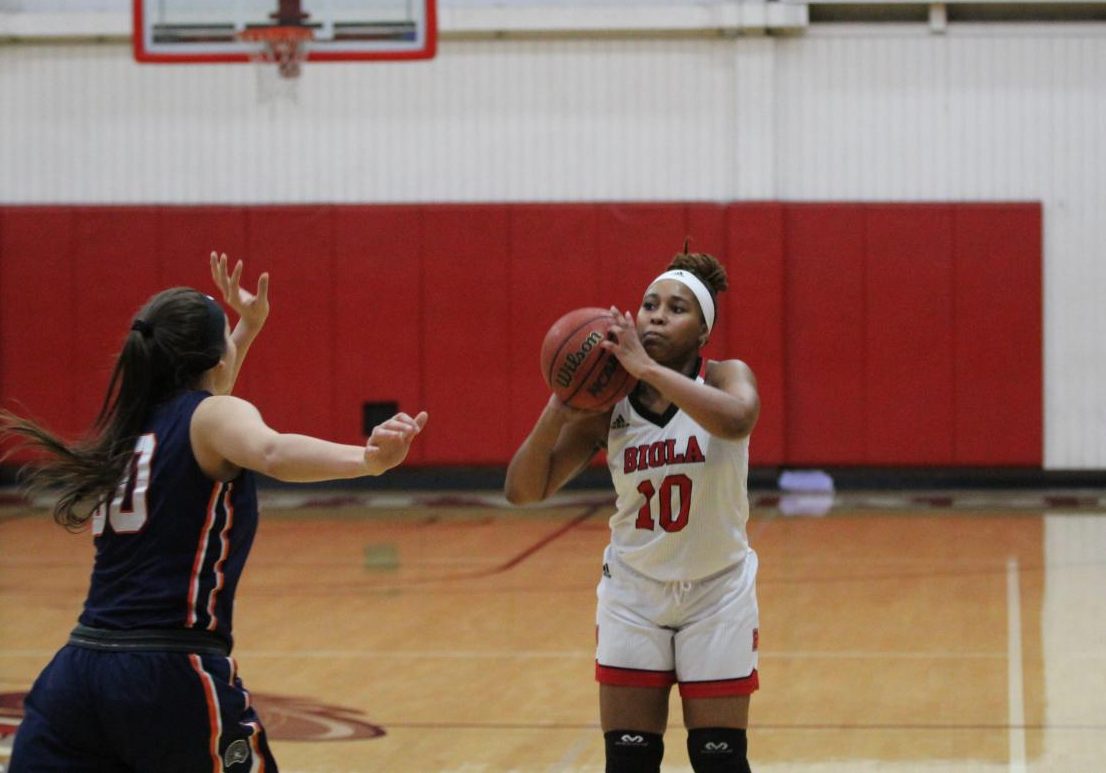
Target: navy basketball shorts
701	634
156	712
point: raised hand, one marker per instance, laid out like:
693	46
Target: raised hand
252	308
390	441
623	342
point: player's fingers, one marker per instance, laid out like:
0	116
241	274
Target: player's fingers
382	434
263	287
223	275
217	272
416	423
407	426
236	276
401	422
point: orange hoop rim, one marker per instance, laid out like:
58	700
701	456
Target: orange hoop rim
282	45
295	34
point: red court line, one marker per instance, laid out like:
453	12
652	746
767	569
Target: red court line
542	542
512	562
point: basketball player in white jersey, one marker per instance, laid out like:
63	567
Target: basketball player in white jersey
677	598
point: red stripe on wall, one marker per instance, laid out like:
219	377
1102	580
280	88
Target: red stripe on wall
825	319
752	315
636	241
909	376
115	271
466	350
552	270
38	317
377	302
998	347
880	334
293	360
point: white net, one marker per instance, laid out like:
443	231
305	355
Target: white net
278	60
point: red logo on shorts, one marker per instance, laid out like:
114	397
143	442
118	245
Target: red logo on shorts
756	639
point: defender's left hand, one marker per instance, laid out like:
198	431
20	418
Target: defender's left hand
252	308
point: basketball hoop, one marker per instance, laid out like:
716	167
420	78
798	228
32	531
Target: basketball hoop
285	46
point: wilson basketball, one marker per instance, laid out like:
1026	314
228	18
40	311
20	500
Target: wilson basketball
579	371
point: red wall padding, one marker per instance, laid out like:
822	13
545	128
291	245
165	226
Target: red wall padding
750	316
553	257
997	337
908	341
38	322
377	333
293	373
466	324
880	334
824	320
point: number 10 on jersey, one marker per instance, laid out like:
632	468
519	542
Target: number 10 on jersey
680	485
127	510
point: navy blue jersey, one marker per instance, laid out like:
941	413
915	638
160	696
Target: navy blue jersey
171	545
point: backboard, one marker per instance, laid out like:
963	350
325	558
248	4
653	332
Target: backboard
219	30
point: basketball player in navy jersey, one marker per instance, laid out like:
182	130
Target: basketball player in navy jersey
677	596
146	681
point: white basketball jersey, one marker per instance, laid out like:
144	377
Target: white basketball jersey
683	499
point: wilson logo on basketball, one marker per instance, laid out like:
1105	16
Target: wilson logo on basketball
610	367
573	360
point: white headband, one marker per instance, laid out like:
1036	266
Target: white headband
695	284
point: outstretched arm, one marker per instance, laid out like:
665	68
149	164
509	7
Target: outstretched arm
228	434
562	441
252	308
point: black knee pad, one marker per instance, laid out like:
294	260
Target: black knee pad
631	751
718	750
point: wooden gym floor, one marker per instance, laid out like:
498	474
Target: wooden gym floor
449	632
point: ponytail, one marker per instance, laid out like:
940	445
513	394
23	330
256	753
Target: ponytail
174	340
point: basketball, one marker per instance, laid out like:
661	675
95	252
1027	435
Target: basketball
579	371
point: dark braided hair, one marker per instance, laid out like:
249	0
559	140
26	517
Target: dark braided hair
174	339
704	266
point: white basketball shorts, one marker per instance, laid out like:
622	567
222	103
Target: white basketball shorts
702	634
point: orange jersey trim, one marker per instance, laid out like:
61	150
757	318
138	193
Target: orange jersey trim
201	552
214	719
